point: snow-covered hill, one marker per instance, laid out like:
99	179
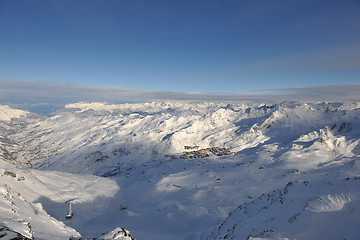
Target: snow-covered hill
7	113
290	170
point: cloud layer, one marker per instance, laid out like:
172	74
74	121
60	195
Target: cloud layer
42	94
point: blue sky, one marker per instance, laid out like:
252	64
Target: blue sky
181	46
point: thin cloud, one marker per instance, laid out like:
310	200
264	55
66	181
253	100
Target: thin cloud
44	97
323	60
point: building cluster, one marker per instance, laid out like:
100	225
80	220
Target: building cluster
191	147
206	152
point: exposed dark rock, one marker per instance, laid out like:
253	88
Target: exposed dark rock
7	233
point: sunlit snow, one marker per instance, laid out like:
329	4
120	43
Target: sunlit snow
168	170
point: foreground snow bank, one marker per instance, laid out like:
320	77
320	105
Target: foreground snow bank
328	209
8	234
117	234
34	203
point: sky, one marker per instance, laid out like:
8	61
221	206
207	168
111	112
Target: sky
191	46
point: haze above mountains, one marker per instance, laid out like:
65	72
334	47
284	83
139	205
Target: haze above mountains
46	97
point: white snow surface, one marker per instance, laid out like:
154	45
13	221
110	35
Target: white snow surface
117	234
7	113
294	171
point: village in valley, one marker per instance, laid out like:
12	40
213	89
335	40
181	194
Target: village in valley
194	152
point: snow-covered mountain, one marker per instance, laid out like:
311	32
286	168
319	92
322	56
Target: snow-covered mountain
182	171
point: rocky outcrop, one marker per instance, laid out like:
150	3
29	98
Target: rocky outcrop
8	234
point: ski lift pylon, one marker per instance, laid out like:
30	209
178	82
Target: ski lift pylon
70	214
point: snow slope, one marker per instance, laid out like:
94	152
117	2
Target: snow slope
34	202
7	113
294	168
326	209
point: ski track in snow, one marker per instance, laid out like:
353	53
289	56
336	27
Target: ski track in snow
293	172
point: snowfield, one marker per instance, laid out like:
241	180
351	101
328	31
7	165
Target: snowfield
167	170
